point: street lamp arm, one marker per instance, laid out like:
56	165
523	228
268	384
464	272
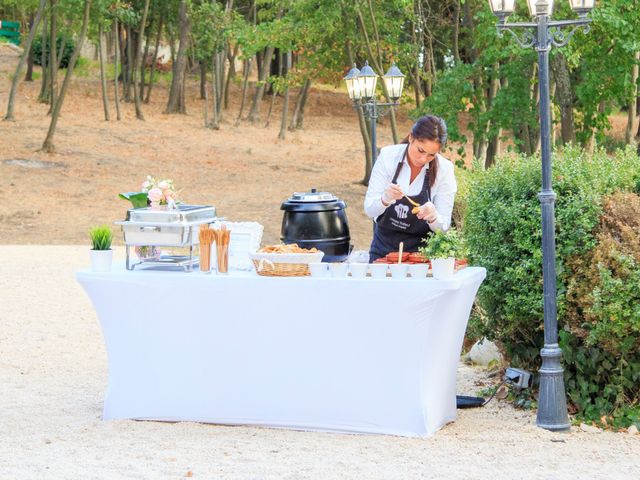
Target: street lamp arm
526	40
559	39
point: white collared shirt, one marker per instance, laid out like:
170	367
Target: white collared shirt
443	191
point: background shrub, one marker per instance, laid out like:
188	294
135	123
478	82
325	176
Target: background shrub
69	46
597	311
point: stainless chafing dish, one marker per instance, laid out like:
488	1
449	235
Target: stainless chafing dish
177	227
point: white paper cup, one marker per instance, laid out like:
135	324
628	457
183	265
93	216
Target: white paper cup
358	270
338	270
399	270
443	267
318	269
419	270
378	270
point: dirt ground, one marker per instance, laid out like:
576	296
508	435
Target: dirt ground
246	172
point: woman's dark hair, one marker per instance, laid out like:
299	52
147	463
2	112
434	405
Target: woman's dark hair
431	128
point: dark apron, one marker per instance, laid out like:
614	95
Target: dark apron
397	224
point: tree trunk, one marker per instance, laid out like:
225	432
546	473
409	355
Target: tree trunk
377	62
215	122
456	31
364	132
254	113
631	118
203	79
136	63
231	73
53	61
564	97
43	97
60	56
143	65
298	111
48	146
29	75
285	105
25	53
176	103
116	63
103	77
245	84
128	74
155	60
273	90
220	75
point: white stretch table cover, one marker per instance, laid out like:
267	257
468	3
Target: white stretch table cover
355	355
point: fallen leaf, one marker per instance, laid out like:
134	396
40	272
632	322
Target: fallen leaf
502	392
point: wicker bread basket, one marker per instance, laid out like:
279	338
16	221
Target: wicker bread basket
284	264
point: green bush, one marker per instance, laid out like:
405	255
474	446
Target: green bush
502	226
69	46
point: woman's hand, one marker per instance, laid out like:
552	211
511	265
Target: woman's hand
426	212
391	194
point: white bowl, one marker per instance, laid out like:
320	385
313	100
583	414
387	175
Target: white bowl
419	270
358	270
378	270
338	270
318	269
399	270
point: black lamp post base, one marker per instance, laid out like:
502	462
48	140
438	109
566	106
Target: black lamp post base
552	402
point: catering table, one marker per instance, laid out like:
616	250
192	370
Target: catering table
352	355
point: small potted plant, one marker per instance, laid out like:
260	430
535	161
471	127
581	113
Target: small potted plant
101	253
443	248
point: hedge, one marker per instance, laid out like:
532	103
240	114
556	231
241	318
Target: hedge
598	303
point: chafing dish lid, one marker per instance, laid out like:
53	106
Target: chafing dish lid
180	215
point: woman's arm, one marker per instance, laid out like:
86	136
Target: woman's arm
444	196
379	181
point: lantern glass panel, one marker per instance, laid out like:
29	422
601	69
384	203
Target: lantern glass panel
502	6
353	87
582	5
394	86
368	86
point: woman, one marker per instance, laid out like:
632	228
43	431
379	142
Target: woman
413	169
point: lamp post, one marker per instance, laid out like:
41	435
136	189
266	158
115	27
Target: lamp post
361	86
542	35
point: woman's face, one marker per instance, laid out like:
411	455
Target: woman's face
422	152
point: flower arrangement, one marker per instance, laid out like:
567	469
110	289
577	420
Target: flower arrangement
153	194
160	192
444	245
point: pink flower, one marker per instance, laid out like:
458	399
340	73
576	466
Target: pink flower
155	195
163	185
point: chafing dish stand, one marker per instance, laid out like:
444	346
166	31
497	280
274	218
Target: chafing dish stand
164	227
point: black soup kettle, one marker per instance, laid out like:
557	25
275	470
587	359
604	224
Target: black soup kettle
317	219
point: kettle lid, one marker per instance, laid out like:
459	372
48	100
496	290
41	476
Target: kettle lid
312	196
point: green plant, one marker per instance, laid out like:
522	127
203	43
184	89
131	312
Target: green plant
101	237
444	245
